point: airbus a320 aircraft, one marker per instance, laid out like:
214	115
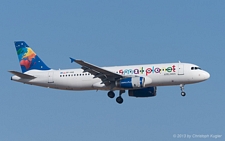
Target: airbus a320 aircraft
138	80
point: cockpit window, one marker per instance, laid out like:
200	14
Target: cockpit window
195	68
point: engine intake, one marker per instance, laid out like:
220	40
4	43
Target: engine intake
145	92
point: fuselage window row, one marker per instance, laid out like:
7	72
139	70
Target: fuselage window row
75	75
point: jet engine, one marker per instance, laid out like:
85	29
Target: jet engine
144	92
133	82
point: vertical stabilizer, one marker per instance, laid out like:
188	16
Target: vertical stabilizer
28	59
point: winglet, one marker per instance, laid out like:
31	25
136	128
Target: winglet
72	60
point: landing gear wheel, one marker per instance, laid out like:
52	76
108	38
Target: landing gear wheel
183	93
182	90
111	94
119	100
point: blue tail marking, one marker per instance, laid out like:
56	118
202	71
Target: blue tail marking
28	59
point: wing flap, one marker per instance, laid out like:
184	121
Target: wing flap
22	75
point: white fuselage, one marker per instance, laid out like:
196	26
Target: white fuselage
75	79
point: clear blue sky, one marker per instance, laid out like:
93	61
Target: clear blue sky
108	33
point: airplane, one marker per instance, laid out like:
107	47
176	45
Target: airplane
138	80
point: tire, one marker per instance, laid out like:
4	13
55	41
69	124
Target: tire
183	93
119	100
111	94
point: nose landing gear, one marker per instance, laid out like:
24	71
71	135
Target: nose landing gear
183	93
182	90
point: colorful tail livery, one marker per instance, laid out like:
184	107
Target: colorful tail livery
28	58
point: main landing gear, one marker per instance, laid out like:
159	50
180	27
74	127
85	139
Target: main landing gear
111	94
182	90
119	99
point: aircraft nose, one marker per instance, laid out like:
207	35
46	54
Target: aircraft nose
206	75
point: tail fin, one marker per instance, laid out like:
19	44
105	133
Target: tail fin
28	58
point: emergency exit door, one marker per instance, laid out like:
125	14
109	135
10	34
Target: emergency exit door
50	77
181	69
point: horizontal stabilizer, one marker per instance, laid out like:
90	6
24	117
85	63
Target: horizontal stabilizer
22	75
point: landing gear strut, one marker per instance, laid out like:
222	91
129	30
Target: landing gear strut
119	99
182	90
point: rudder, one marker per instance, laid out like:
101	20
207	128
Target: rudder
28	59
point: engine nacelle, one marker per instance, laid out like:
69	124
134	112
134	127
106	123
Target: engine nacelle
133	82
145	92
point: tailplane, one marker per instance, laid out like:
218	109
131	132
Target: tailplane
28	59
22	75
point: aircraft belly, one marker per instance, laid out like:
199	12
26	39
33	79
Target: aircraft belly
75	83
164	80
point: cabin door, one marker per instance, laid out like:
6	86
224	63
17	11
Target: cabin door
50	77
180	69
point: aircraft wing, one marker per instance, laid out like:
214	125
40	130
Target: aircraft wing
98	72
